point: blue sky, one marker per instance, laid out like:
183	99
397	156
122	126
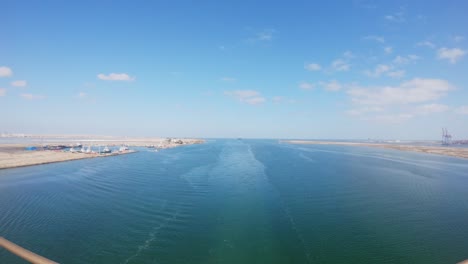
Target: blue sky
297	69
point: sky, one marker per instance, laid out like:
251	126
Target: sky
255	69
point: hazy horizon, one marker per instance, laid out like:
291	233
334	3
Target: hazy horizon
320	70
102	137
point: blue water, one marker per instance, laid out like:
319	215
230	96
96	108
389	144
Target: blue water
241	201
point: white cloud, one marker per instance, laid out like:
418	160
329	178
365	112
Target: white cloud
282	99
397	104
29	96
414	91
313	67
426	44
19	83
82	95
458	38
348	55
378	113
364	110
379	70
365	4
403	117
277	99
264	35
462	110
228	79
3	91
392	118
405	59
396	74
431	108
379	39
452	55
332	86
242	93
341	65
247	96
396	17
115	77
5	72
255	100
383	69
388	50
306	86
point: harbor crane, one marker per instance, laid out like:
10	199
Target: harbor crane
446	137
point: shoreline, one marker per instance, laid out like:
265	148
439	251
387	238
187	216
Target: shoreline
444	151
14	155
60	158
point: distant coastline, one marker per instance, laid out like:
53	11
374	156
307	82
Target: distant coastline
13	155
442	150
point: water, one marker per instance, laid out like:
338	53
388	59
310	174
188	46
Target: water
241	201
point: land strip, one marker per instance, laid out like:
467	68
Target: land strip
14	155
439	150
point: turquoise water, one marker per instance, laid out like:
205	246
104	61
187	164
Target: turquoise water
241	201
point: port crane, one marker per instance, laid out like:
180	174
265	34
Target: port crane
446	137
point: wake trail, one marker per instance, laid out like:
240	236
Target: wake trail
294	227
284	207
153	234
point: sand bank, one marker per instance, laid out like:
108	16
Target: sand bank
14	155
28	158
442	150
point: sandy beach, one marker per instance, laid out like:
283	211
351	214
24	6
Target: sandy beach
442	150
14	154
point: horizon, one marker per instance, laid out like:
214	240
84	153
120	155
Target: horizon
356	70
98	137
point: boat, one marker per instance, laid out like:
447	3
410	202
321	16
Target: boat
88	150
55	147
72	150
123	148
106	150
